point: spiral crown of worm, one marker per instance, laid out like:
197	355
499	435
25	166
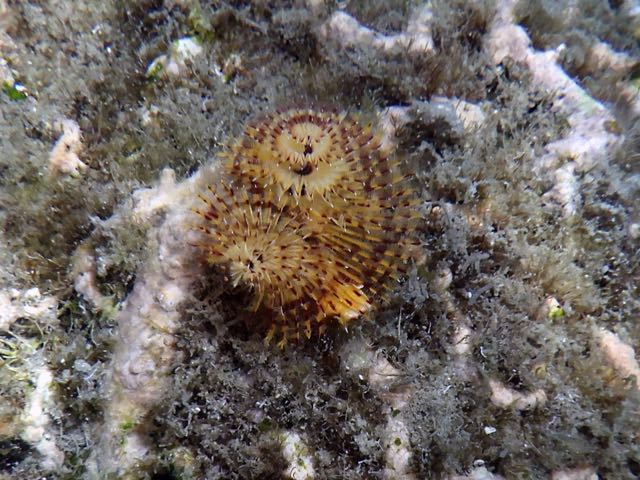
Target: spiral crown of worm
312	216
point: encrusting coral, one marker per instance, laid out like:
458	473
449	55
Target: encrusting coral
314	217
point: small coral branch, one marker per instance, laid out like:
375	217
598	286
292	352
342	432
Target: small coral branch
37	422
296	453
15	304
347	32
137	375
23	367
63	158
361	361
589	141
619	355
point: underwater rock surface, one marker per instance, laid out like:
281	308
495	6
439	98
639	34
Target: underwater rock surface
510	348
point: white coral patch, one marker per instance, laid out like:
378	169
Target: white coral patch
30	303
505	397
183	51
36	421
64	159
297	455
619	354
